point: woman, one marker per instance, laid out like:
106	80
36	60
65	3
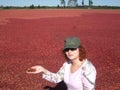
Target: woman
77	72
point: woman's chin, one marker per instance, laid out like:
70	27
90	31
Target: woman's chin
71	58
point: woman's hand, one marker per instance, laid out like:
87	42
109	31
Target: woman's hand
35	69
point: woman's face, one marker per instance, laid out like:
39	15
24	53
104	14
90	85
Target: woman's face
72	53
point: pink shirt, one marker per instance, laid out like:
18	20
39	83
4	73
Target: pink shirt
73	80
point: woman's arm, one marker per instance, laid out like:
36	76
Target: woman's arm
54	77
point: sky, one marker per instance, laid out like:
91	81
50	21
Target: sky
55	2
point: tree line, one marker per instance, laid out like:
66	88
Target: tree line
64	4
74	3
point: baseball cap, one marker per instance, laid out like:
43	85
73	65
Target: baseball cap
72	42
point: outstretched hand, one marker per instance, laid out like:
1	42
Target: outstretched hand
35	69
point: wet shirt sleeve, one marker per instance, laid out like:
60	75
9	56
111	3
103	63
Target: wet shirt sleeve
89	76
55	77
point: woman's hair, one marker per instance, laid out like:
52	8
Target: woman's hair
82	53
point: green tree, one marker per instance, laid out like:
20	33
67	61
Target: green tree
32	6
90	3
72	3
38	6
62	2
82	2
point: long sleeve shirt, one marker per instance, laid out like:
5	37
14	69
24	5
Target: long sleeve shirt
82	79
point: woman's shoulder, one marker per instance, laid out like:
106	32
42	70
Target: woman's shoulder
88	63
88	66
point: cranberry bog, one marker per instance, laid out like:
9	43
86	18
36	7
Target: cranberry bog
35	37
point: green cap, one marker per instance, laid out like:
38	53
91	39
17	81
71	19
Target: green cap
72	42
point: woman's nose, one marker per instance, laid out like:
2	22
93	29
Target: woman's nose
69	50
